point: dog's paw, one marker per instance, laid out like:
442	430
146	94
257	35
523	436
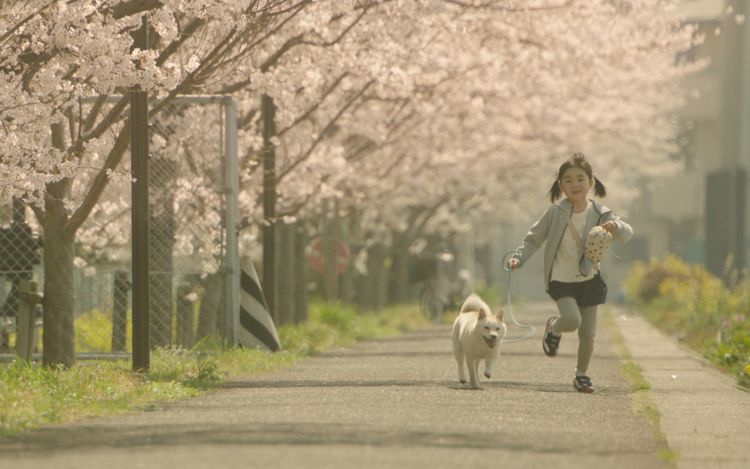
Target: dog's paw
462	381
487	375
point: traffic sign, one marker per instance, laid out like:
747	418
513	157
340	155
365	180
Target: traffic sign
317	258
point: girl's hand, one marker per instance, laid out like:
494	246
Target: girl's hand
611	226
513	263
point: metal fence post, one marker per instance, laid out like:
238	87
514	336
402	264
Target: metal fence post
29	297
140	223
232	256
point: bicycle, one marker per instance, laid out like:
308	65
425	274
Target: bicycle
432	304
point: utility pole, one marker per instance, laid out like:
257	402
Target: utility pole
726	194
139	216
268	115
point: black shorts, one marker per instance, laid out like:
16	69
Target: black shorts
589	293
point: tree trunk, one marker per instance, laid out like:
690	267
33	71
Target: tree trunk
399	271
301	275
346	285
59	294
346	279
268	112
331	239
379	277
59	288
285	275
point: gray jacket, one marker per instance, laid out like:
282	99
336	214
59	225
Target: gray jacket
551	228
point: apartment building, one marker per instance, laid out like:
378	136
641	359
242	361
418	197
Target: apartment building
700	213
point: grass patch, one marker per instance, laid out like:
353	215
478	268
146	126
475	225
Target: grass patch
643	403
634	374
31	395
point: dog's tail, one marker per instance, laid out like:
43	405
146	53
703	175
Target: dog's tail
474	304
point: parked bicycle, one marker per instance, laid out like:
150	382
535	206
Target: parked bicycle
440	288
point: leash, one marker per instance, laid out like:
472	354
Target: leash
531	329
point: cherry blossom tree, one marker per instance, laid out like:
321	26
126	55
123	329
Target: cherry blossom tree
511	110
542	79
57	52
421	116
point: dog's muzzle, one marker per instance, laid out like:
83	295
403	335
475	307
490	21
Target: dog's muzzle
491	341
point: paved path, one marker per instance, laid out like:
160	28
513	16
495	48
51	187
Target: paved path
394	403
704	415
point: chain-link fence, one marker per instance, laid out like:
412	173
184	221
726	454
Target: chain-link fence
192	256
19	259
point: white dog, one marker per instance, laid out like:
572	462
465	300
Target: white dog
476	336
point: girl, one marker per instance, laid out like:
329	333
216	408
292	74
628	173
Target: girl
571	279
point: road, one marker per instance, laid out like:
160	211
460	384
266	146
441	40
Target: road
396	402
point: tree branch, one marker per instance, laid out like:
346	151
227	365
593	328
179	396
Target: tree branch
323	133
493	5
100	180
175	45
313	108
133	7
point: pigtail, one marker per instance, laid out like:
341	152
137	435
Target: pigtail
576	160
555	192
599	188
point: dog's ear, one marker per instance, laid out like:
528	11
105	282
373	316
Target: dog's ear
482	313
500	314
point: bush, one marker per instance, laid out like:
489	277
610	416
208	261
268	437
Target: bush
645	281
688	301
337	325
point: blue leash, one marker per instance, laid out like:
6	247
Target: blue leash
531	329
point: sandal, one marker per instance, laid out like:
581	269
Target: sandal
550	341
583	384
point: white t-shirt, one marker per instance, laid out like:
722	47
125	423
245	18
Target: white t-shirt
565	265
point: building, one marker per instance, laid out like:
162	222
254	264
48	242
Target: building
699	214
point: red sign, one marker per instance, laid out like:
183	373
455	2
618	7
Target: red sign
317	261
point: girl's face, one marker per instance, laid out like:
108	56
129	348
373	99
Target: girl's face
575	184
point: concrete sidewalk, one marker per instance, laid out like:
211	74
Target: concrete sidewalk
395	403
704	414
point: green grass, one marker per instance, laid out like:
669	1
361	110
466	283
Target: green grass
643	403
31	395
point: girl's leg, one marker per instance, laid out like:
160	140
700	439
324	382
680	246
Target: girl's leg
570	316
586	334
569	320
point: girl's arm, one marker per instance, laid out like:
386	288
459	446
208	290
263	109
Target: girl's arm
534	239
621	231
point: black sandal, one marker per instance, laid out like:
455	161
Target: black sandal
583	384
550	342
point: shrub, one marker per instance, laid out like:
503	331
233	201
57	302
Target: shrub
688	301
